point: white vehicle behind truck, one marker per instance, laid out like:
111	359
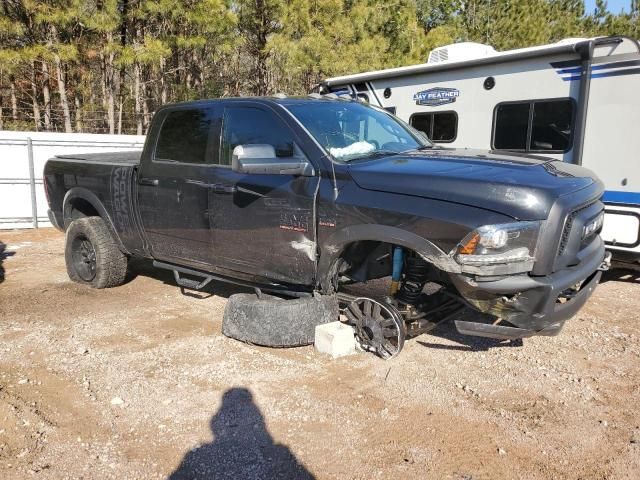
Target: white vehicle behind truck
577	100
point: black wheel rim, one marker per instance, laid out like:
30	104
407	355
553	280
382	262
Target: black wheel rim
379	327
84	258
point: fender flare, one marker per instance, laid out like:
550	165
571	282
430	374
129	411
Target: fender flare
91	198
333	247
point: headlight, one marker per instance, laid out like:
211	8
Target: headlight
511	244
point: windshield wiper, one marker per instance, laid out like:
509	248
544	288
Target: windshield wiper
377	154
420	148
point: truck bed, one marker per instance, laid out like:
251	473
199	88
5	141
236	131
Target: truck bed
128	158
104	183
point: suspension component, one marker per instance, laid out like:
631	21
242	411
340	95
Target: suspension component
415	278
396	275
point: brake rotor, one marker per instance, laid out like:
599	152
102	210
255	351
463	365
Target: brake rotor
379	327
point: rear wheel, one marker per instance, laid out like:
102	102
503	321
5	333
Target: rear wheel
92	255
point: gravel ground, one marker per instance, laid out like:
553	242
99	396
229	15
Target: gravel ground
138	382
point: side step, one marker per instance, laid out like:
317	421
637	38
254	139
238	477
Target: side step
193	284
189	283
488	330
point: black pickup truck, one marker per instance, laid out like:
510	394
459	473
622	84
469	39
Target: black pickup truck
301	196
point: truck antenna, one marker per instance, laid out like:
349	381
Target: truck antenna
335	183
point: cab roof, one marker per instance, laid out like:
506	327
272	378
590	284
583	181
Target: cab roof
275	99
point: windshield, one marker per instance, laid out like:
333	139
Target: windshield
350	130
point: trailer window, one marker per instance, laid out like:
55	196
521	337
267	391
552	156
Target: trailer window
512	123
184	136
534	126
551	129
440	127
422	122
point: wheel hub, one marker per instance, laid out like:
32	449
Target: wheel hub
84	258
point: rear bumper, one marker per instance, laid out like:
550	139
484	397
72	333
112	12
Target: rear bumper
538	305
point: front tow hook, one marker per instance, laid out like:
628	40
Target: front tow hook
606	262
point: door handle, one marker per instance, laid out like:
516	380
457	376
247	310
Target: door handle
198	183
222	188
153	182
216	187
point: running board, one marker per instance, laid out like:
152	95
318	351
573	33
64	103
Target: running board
488	330
192	284
189	283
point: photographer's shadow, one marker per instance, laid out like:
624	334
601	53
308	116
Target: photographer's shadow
242	447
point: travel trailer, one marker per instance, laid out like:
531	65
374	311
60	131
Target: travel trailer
577	100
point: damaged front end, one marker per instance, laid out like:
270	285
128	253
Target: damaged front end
524	305
530	277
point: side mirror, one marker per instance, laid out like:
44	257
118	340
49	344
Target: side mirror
261	159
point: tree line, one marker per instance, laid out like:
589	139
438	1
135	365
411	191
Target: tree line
104	66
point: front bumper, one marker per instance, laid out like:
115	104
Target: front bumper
537	305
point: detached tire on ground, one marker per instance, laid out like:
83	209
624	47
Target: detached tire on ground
92	255
275	322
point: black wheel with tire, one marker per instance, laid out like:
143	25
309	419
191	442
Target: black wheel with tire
92	255
276	322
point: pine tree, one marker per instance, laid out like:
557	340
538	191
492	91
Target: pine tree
106	65
257	21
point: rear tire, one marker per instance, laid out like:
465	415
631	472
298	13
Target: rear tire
92	255
275	322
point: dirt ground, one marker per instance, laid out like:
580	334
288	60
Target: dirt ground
138	382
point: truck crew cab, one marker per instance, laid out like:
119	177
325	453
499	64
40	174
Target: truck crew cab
301	196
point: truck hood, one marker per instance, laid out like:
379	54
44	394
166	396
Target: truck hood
521	186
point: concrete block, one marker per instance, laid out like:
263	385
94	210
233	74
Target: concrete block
336	339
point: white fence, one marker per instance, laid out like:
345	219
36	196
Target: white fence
22	157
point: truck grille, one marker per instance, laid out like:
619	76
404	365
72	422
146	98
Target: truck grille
566	233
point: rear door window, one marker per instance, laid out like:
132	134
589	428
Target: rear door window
440	127
184	136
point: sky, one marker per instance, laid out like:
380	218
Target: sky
615	6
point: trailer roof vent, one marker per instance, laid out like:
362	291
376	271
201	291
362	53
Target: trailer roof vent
457	52
439	55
